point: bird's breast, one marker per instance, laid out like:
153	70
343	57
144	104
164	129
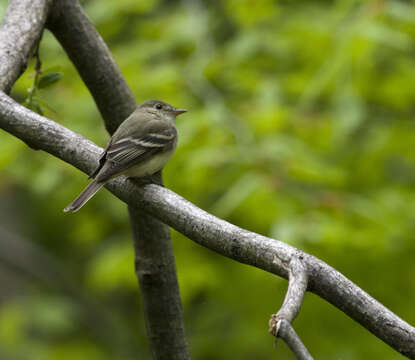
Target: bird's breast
150	166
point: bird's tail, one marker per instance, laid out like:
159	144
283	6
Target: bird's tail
84	196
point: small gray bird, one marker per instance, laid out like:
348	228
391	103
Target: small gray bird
141	146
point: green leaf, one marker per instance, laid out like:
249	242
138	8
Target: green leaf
49	79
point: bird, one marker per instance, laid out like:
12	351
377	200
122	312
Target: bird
140	147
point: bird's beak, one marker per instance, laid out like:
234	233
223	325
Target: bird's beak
179	111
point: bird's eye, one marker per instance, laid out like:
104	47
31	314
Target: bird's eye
159	106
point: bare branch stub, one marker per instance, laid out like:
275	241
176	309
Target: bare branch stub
297	287
280	323
286	332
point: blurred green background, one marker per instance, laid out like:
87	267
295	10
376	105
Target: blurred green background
300	127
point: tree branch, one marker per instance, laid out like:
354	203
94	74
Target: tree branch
156	272
280	323
209	231
20	31
93	60
285	331
297	287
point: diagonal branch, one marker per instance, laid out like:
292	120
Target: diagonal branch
209	231
280	323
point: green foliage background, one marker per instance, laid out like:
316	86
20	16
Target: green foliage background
300	127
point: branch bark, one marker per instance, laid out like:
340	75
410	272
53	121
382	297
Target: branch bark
297	287
156	272
280	323
19	34
286	332
207	230
93	60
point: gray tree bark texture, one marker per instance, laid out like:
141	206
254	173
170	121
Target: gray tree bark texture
19	35
97	68
156	271
93	60
280	323
205	229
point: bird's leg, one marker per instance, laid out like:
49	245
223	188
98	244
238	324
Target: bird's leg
150	179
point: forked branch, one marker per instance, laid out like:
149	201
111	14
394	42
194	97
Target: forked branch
280	323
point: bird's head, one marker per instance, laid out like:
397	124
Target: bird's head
162	108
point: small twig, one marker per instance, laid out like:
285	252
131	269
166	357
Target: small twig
287	333
32	90
280	323
297	287
38	72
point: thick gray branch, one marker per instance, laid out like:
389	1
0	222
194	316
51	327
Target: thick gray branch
156	272
93	60
209	231
20	31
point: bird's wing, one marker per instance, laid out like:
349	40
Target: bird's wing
126	152
101	162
